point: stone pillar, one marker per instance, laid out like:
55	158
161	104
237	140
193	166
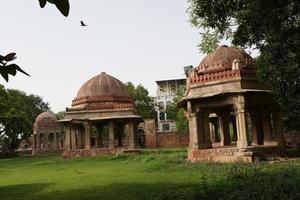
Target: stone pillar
73	138
55	141
87	135
132	135
241	121
267	130
111	135
67	138
278	128
224	129
79	139
193	129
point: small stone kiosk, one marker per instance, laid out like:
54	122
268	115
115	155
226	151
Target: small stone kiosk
47	134
102	119
231	115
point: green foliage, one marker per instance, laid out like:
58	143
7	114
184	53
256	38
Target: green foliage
178	113
144	103
17	115
60	115
272	27
182	124
62	5
154	175
9	69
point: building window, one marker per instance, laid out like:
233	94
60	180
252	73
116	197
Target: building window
161	105
165	127
162	116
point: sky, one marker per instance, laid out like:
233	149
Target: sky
140	41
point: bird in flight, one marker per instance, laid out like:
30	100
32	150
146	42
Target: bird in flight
82	23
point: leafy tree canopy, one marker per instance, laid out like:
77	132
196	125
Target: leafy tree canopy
270	26
144	103
17	115
178	113
62	5
9	69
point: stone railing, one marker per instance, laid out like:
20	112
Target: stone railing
223	75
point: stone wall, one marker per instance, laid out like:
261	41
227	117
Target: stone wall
172	139
292	139
154	138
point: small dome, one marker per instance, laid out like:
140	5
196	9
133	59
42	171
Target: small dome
45	115
45	122
223	58
100	92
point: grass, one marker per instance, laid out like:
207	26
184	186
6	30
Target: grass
157	175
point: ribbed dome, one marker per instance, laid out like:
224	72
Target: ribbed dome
45	115
102	89
223	58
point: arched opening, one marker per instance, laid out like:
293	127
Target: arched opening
141	138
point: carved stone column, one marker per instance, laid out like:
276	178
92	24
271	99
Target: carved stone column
73	138
241	121
87	135
55	140
224	128
267	129
132	135
67	144
206	131
111	135
193	129
79	139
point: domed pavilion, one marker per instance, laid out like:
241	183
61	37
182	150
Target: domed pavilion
47	134
231	115
101	120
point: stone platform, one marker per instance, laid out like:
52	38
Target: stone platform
234	154
98	152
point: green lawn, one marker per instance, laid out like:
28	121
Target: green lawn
157	174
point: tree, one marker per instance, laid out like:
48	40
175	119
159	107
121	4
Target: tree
272	27
17	115
144	103
62	5
9	69
177	114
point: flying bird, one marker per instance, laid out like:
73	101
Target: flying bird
82	23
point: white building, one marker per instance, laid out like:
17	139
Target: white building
165	93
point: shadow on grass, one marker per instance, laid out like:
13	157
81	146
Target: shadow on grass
21	191
283	184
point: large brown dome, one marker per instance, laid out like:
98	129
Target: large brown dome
102	92
223	58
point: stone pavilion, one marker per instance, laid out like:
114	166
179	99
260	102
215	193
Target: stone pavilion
47	134
231	115
102	119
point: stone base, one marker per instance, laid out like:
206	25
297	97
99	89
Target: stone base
98	152
234	154
44	151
